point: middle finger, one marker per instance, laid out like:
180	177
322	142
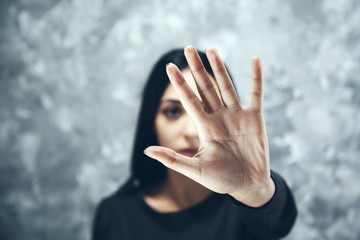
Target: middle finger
206	88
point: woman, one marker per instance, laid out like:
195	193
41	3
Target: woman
212	178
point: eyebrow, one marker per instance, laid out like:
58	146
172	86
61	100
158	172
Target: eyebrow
171	100
175	101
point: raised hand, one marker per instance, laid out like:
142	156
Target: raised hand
233	156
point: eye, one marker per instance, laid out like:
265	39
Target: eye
172	112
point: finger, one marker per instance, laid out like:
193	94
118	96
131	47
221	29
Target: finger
187	97
256	88
227	90
185	165
206	88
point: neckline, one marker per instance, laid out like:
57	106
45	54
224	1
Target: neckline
183	214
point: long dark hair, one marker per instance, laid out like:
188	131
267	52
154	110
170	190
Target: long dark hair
144	170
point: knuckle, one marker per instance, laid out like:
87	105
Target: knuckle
256	94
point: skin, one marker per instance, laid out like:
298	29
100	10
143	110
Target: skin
176	130
233	152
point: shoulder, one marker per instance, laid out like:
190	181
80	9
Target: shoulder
117	200
114	208
111	214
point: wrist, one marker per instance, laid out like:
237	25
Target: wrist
256	197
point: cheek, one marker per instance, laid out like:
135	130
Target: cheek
163	138
165	132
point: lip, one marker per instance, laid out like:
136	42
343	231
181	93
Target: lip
190	152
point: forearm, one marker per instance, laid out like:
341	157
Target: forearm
257	197
274	219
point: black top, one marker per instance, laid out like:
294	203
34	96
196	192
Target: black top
219	216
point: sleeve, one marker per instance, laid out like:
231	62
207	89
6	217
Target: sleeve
276	218
100	222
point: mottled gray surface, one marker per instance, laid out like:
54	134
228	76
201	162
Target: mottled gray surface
71	74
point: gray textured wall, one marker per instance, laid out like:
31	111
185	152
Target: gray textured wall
71	74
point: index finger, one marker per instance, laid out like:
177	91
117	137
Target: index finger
187	97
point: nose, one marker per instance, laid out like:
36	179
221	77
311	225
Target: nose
189	128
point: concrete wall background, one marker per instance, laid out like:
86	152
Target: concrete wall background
71	74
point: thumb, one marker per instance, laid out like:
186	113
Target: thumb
185	165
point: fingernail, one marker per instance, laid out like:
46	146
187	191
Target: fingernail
168	64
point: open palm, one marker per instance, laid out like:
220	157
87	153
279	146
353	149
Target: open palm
233	156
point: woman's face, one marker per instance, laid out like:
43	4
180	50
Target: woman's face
173	126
